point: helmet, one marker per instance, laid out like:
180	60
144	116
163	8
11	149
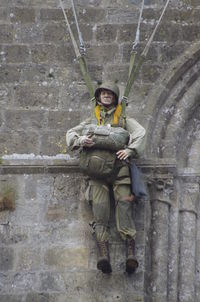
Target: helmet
108	86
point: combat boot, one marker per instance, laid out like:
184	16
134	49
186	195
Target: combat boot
103	262
131	261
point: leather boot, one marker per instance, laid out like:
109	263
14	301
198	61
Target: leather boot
131	261
103	262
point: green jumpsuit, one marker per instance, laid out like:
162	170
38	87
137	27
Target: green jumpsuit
98	190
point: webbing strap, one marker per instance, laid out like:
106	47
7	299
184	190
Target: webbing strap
79	54
134	72
137	40
86	76
146	49
70	31
82	47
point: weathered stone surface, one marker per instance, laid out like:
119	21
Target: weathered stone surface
9	74
25	119
55	33
28	33
47	14
10	298
19	142
22	15
67	257
106	33
17	54
28	96
6	33
42	94
29	258
51	281
53	142
39	297
3	14
6	258
63	119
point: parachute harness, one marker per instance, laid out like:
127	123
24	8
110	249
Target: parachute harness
133	70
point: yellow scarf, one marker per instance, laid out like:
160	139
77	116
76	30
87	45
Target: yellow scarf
116	116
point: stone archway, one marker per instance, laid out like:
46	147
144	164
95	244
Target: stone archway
173	135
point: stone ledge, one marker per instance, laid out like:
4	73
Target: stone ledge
31	164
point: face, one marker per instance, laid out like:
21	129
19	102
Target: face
107	98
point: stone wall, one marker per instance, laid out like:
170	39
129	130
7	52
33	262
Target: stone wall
47	252
41	89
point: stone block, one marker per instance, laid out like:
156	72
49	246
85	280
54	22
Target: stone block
190	33
6	33
6	95
74	97
112	287
22	15
53	142
31	211
19	142
56	212
51	281
91	15
39	297
103	53
150	73
106	33
29	258
123	15
17	54
23	282
3	14
11	298
170	33
63	120
56	33
24	119
9	74
43	53
35	73
6	258
65	54
127	32
50	14
28	33
171	51
30	187
70	257
37	96
13	234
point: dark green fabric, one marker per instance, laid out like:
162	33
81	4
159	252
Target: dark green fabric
97	163
109	138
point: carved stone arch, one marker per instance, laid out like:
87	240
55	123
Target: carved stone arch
173	111
173	138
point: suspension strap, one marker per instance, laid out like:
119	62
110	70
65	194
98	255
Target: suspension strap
82	46
124	101
137	40
134	72
79	53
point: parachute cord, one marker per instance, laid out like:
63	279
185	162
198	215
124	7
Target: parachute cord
70	32
82	46
137	36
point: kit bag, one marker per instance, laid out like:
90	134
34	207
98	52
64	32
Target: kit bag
107	137
97	163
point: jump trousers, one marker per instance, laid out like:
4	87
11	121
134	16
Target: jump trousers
99	192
